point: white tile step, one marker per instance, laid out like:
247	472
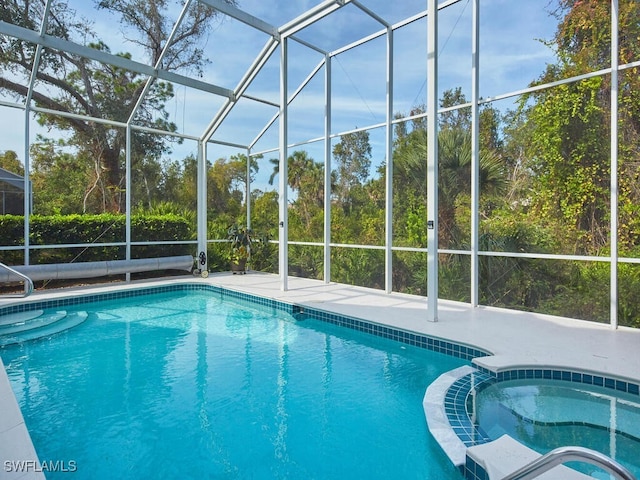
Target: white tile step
22	325
70	320
20	317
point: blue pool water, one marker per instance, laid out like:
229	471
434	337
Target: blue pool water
186	385
549	414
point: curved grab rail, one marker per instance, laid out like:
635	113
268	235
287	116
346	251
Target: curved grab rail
567	454
28	284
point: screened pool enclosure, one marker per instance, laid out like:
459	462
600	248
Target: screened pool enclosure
486	152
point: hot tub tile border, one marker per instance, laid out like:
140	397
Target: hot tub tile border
456	401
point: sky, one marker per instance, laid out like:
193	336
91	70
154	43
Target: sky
512	55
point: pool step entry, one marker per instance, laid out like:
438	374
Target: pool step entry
499	458
24	326
507	459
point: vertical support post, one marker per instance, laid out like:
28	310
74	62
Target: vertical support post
284	174
127	194
201	180
432	161
613	314
388	253
247	193
475	151
327	169
27	184
28	195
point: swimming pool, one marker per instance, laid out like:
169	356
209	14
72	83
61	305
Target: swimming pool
546	414
191	384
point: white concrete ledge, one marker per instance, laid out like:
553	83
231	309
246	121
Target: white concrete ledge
437	420
505	455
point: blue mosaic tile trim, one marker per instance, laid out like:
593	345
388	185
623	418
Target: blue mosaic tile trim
457	398
131	293
115	295
423	341
257	300
474	471
574	376
591	425
456	402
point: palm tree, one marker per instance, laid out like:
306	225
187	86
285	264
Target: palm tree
297	165
454	173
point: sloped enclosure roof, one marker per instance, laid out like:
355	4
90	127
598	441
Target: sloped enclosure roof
245	38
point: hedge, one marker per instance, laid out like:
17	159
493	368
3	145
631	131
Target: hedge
93	230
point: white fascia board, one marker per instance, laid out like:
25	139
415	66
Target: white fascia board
56	43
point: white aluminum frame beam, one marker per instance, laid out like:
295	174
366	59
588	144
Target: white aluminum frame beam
242	86
247	185
27	134
432	162
201	209
56	43
613	301
371	13
327	170
311	16
127	196
228	144
291	99
388	254
283	203
475	152
243	17
309	45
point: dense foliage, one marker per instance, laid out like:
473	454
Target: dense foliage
99	231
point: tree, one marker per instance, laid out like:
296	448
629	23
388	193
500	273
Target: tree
69	83
353	161
306	179
59	181
567	144
458	119
9	161
454	167
297	165
306	176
